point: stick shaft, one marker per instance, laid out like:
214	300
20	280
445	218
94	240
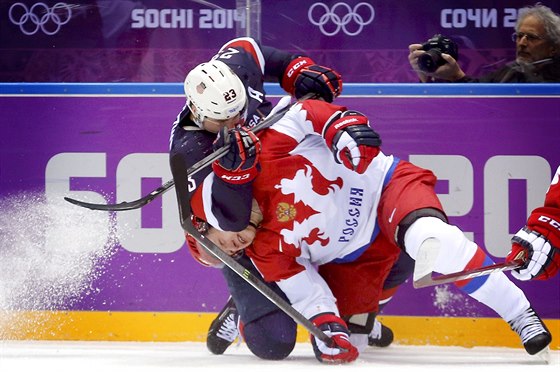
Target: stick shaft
256	283
430	280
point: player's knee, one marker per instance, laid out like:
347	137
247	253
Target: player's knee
412	217
456	250
271	337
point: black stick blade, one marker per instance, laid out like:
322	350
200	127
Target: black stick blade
124	206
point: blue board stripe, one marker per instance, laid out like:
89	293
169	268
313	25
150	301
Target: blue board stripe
349	89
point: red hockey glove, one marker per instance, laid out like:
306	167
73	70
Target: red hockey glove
342	351
352	141
543	257
303	76
241	164
539	241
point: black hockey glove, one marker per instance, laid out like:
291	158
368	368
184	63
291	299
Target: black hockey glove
304	76
320	80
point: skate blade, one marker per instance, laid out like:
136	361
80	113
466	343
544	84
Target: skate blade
544	354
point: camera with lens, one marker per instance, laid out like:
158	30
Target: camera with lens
432	59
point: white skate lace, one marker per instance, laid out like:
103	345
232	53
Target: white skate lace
228	330
527	325
376	331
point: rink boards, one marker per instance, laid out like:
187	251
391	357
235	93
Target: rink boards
493	148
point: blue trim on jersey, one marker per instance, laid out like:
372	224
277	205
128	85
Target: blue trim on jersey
476	283
358	252
390	171
350	257
273	89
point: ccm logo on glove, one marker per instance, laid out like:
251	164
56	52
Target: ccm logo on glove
297	66
550	221
235	178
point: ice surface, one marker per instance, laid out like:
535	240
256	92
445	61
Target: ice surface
62	356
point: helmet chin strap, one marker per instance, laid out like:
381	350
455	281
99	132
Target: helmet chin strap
203	122
194	116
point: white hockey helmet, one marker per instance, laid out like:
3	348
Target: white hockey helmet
214	91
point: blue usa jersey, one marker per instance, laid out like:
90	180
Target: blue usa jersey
253	64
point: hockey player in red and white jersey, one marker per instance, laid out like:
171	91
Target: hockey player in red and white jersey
333	204
539	240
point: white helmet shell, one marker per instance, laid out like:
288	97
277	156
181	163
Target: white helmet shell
213	90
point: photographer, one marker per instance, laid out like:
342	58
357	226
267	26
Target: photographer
537	40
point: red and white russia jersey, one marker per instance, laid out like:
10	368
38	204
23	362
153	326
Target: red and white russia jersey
314	209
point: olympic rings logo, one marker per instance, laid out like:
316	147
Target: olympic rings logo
331	16
40	16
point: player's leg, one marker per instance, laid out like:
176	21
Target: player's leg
268	331
381	335
357	285
404	212
496	291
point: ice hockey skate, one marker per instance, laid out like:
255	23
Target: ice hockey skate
380	336
533	332
224	329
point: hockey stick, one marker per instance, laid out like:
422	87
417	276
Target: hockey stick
256	283
425	261
124	206
430	280
135	204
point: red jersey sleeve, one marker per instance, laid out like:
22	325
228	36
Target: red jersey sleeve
320	112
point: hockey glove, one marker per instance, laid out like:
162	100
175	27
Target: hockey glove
352	141
303	76
341	350
241	164
543	258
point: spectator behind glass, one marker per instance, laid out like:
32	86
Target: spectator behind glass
537	42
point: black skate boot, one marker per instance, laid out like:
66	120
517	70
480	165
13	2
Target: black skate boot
224	329
533	332
380	336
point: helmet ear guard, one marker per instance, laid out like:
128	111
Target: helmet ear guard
195	250
214	91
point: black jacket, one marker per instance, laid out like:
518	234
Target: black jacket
548	72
